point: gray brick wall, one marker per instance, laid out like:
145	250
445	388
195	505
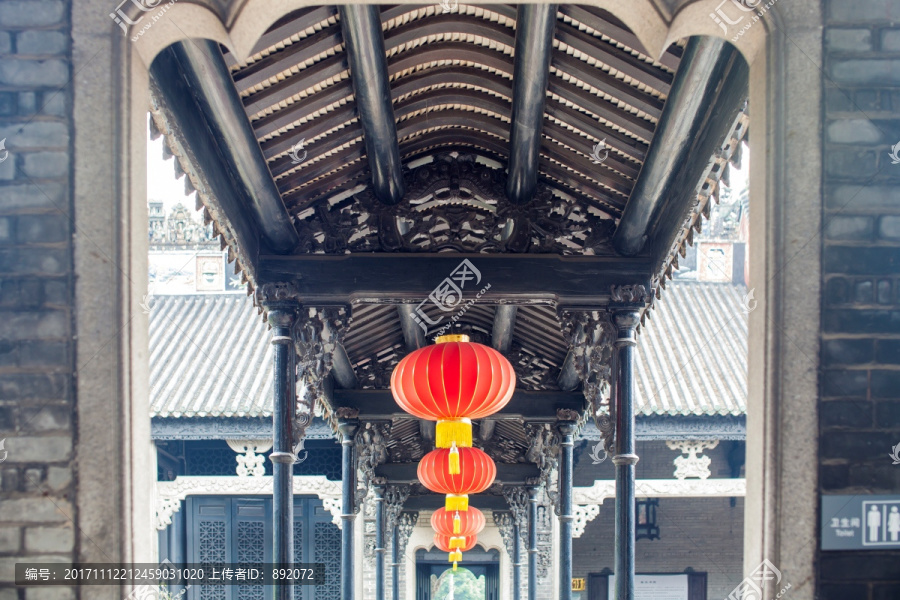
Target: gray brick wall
859	410
36	346
703	534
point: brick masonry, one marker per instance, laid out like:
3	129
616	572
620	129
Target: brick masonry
859	418
36	290
703	534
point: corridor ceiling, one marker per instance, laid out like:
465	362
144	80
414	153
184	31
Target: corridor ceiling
362	152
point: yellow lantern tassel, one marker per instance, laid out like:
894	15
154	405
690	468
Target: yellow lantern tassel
454	565
454	459
450	431
457	543
456	556
456	522
456	502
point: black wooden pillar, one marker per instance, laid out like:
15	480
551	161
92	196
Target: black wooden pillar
625	458
532	542
566	460
281	318
395	562
379	539
348	429
517	561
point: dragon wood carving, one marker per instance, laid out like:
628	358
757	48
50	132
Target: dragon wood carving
454	203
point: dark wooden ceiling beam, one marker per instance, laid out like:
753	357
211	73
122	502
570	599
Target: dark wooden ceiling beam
413	33
413	335
314	75
705	64
379	405
614	57
600	20
504	326
582	281
196	68
708	147
568	379
463	52
604	109
362	32
343	372
535	24
294	54
609	84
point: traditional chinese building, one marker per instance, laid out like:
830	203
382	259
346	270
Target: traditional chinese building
214	478
530	175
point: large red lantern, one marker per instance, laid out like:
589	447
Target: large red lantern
452	382
457	523
476	474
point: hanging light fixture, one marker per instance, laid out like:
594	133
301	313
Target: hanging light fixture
453	382
476	474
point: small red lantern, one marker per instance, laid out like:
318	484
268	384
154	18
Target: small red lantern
455	545
477	473
457	523
452	382
446	543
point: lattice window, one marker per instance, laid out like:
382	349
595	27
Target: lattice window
216	458
298	554
212	549
327	546
251	548
201	459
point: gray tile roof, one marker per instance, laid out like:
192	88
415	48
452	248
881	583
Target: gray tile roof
210	355
692	353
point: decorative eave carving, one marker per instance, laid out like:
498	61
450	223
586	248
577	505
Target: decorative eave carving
694	464
630	294
250	459
591	335
371	451
406	522
170	494
543	450
455	203
276	294
729	153
518	499
505	523
317	333
395	497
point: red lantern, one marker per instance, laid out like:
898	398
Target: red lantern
457	523
477	473
452	382
443	542
455	546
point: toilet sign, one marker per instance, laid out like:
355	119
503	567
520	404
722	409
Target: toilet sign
860	522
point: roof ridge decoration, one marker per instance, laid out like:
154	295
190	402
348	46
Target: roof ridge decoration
455	203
